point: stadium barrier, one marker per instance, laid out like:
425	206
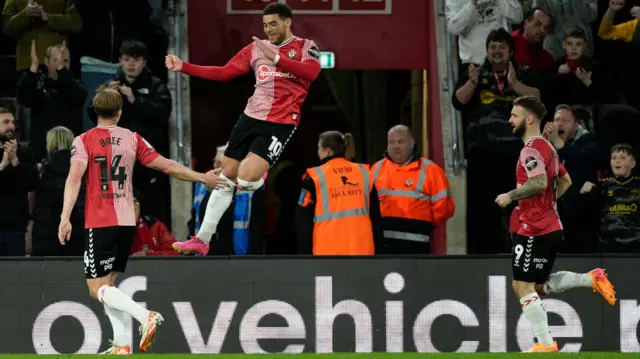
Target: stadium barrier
293	305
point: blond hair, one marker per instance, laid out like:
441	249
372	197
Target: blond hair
107	102
59	138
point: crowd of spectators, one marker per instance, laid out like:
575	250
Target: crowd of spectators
65	50
571	55
578	56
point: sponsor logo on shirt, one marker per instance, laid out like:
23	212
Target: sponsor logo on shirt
265	72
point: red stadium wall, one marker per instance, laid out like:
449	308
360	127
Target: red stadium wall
362	37
372	35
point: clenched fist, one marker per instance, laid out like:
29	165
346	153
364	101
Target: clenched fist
173	63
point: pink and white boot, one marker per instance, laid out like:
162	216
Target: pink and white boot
193	245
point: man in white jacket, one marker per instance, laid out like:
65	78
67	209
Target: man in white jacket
472	20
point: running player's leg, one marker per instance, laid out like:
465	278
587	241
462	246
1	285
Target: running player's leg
152	320
563	280
525	273
99	258
116	317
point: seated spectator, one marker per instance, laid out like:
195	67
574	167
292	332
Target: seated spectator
49	199
152	237
473	20
48	22
242	226
485	97
578	151
567	15
18	177
578	77
54	96
620	198
146	111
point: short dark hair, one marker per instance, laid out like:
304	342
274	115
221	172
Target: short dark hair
533	105
279	9
532	12
581	113
500	35
5	110
134	48
624	148
575	32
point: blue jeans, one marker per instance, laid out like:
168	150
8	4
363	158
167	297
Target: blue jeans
12	243
94	74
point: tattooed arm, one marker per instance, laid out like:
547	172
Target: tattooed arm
532	187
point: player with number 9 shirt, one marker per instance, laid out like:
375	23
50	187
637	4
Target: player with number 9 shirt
541	180
107	154
284	67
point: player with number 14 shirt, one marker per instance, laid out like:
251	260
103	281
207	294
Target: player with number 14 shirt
106	154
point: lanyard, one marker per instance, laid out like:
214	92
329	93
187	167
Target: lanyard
499	82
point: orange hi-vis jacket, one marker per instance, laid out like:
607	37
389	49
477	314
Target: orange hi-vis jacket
342	225
414	198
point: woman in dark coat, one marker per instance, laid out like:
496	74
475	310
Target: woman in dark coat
49	198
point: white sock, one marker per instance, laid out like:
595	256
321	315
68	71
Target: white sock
537	316
116	318
216	206
116	299
561	281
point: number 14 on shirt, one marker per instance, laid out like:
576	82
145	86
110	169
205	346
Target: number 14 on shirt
111	171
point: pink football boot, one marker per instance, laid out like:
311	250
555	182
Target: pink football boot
193	245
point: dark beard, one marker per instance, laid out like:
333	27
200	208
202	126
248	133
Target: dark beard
520	131
4	137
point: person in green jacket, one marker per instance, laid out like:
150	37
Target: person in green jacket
49	22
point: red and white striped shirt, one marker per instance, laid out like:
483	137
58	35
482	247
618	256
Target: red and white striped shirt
280	88
110	154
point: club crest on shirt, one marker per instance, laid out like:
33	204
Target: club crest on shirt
409	182
292	54
531	163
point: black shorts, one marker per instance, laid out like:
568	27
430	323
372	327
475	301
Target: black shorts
532	258
265	139
106	250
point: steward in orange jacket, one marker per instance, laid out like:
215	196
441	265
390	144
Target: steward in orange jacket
414	195
338	203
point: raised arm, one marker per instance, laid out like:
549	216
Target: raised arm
239	65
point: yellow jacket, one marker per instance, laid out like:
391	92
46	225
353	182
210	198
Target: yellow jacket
63	20
625	31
